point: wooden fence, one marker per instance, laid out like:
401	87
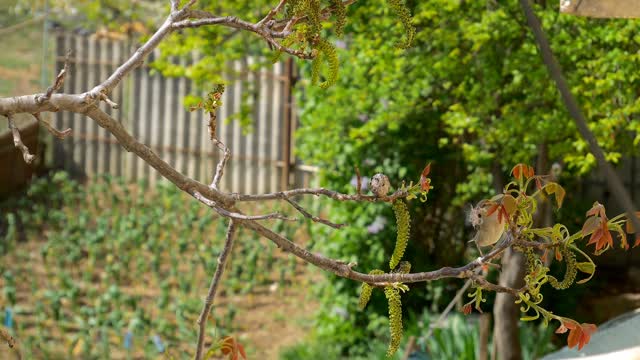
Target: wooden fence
152	110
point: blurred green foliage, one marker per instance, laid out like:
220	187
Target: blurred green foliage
473	97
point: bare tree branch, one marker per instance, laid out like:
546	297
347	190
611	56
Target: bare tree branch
17	141
226	155
213	287
272	13
52	130
57	84
615	185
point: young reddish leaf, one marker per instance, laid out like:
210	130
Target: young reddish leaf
425	183
601	238
530	173
538	183
637	240
242	352
466	309
587	330
426	170
590	225
229	346
492	209
518	170
595	238
579	334
597	210
574	337
544	256
561	329
558	256
502	215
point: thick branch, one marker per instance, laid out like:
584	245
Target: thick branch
345	270
615	185
206	309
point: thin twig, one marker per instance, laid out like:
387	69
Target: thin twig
17	141
109	102
358	182
213	287
238	216
52	130
282	195
485	284
615	185
221	164
272	13
314	218
57	84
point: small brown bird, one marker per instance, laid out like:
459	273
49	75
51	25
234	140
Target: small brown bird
379	185
490	228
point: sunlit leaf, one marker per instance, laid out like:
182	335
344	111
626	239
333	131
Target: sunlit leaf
586	267
509	204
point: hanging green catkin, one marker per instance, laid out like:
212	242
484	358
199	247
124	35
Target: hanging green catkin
330	55
366	290
341	16
314	16
316	66
395	319
403	13
570	273
403	223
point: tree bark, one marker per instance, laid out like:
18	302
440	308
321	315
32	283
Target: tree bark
505	311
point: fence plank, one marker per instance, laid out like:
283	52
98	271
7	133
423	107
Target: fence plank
235	142
152	110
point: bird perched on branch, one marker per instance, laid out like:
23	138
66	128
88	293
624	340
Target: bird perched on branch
489	226
379	185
